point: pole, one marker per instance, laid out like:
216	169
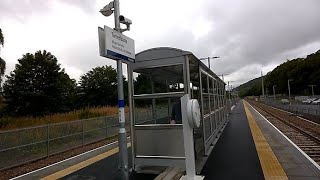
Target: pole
274	92
122	135
209	62
229	90
312	89
262	85
289	89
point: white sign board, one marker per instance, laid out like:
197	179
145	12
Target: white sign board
115	45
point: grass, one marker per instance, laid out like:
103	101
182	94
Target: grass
8	123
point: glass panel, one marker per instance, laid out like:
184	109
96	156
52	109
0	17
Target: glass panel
207	127
204	83
158	80
175	110
165	109
143	111
215	87
212	102
210	86
206	109
213	122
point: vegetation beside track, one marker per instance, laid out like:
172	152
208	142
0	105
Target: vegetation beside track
10	122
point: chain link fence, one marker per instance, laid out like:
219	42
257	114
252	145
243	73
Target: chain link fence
298	108
28	144
24	145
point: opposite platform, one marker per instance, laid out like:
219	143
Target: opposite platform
295	163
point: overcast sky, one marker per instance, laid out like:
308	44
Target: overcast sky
250	36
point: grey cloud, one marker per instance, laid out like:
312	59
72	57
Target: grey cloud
21	10
260	31
248	34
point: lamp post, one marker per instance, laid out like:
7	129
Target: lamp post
229	89
215	57
274	91
222	76
262	85
289	89
312	89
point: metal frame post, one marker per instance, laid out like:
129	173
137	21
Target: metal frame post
122	135
188	143
106	123
82	124
48	139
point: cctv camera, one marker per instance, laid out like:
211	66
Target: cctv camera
125	20
107	10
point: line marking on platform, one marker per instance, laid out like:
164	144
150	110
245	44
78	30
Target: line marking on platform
73	157
269	163
81	165
289	140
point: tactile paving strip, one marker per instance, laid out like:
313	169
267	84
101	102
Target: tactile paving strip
270	165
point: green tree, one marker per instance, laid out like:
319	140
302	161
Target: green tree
38	86
98	87
302	71
2	62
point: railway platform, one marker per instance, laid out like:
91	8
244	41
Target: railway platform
249	148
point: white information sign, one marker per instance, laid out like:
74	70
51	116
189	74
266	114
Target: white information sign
115	45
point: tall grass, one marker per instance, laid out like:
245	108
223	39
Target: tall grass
8	122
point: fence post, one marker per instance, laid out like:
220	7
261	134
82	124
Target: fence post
82	122
48	139
318	111
106	125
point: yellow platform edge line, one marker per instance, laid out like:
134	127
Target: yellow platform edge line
270	165
81	165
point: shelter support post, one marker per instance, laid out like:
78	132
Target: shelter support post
188	143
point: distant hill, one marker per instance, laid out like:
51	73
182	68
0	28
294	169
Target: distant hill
252	87
302	71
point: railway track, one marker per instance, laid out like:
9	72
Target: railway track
305	134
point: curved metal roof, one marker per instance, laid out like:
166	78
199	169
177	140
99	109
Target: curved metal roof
167	55
160	53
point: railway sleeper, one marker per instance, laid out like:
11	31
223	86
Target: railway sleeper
314	154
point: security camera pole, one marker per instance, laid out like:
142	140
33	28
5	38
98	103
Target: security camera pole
107	37
122	135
